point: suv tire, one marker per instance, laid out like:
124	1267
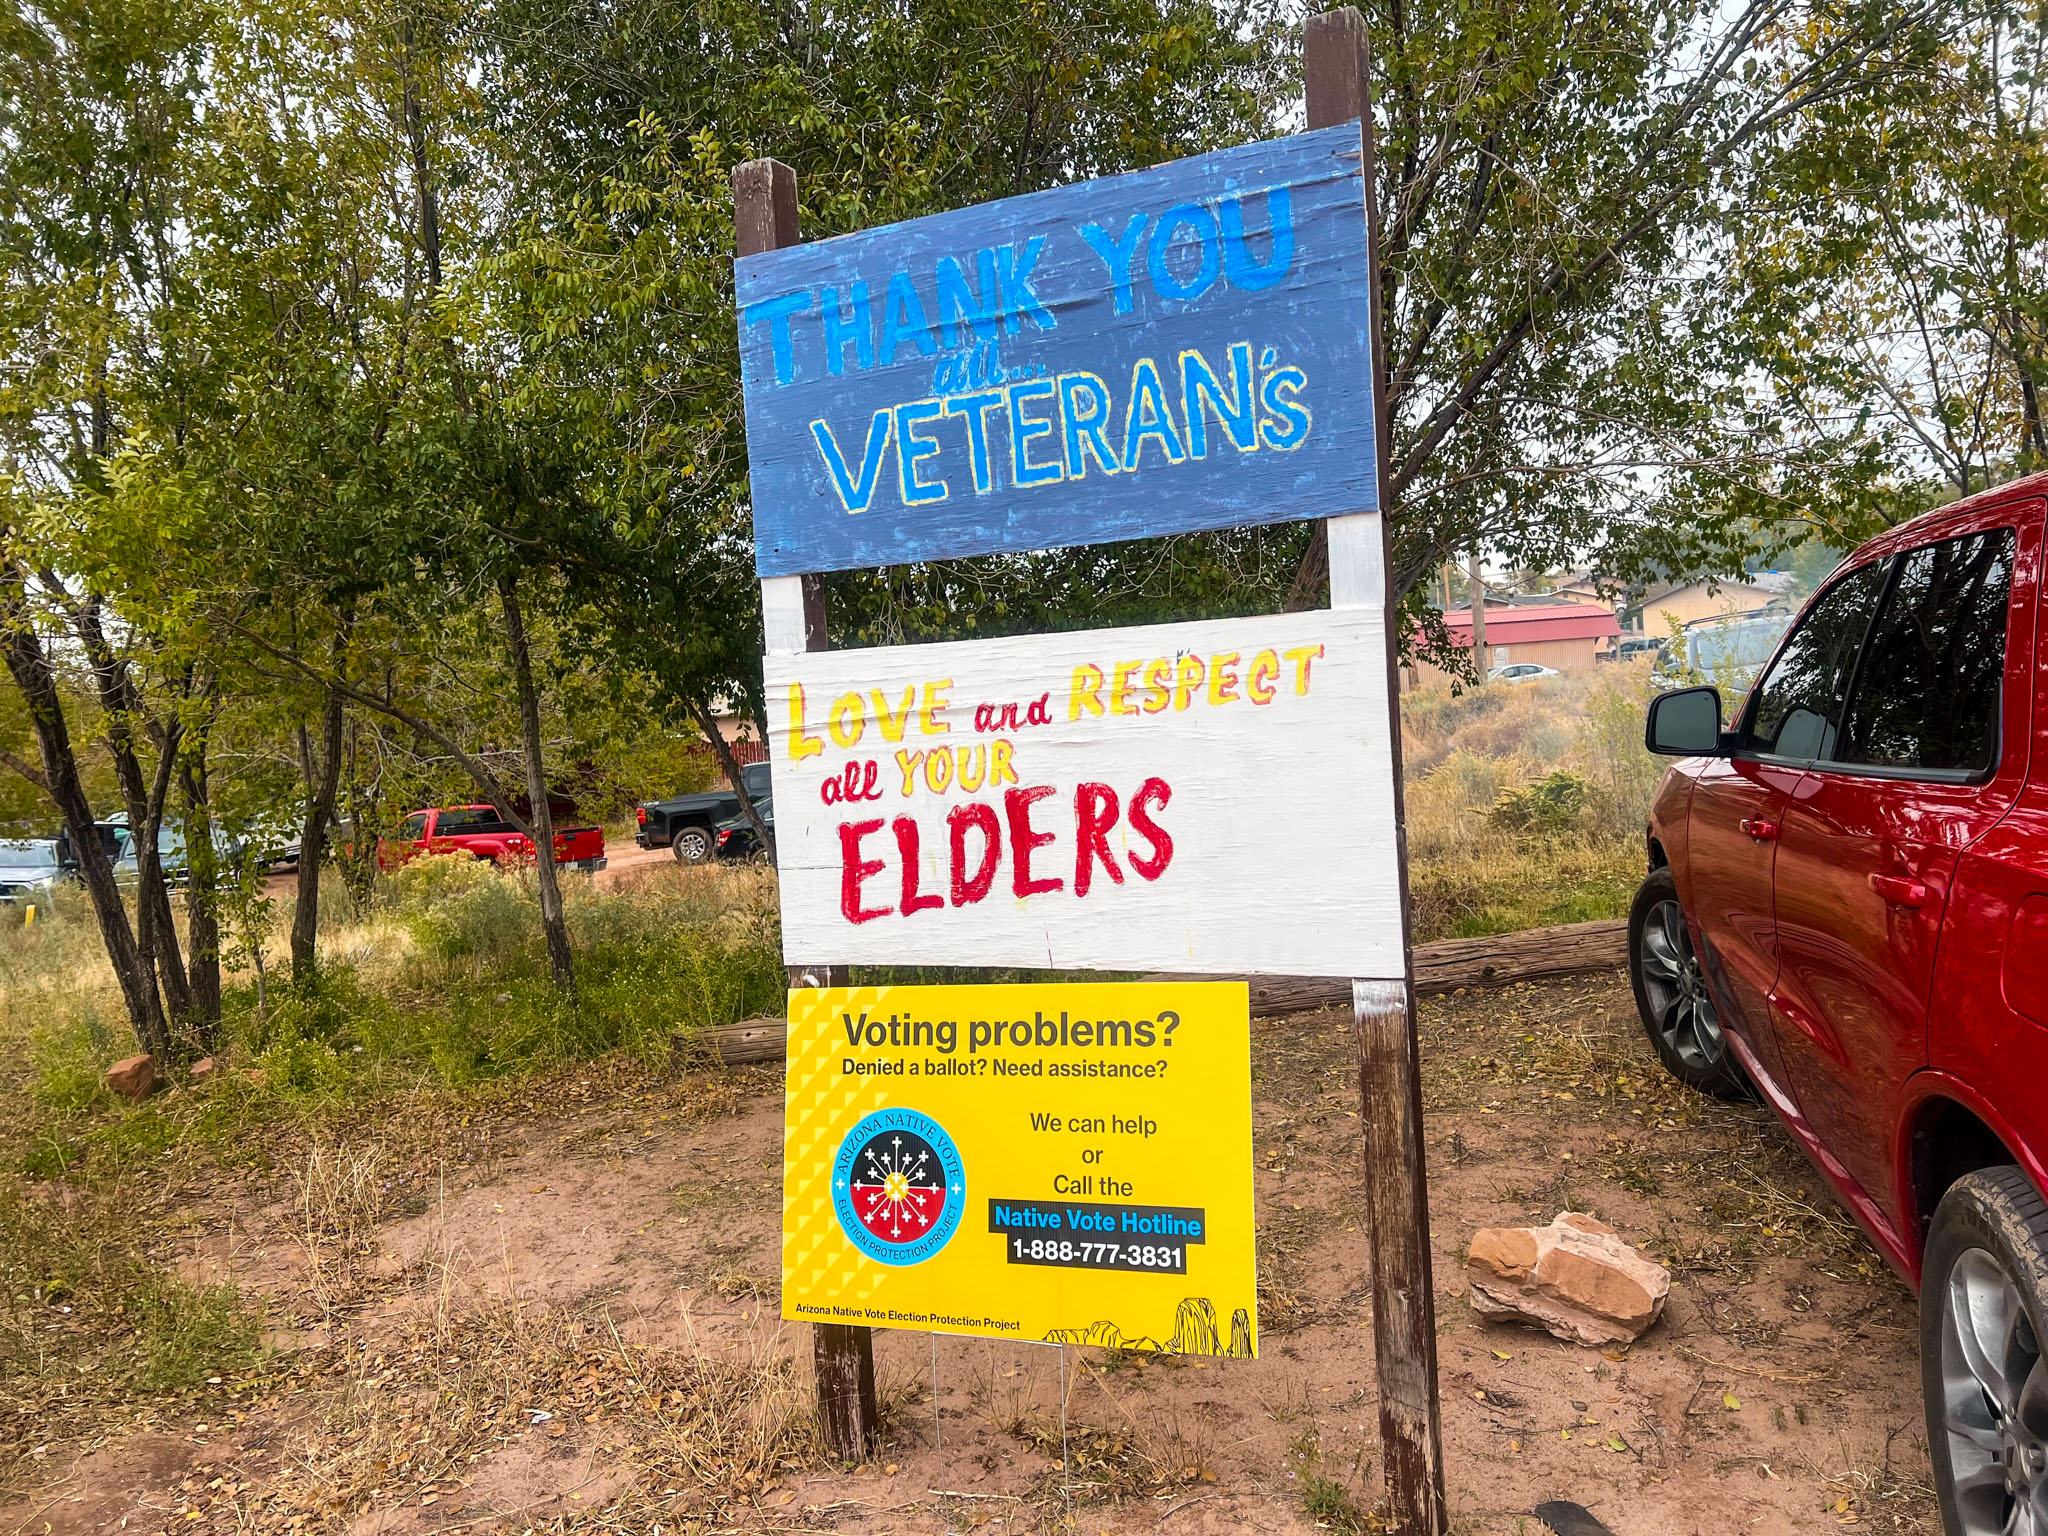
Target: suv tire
1983	1315
693	845
1671	993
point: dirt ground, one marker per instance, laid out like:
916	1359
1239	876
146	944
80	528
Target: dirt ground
563	1316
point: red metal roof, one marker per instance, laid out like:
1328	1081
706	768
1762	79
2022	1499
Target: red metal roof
1527	626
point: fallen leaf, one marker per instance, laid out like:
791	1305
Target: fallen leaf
1730	1401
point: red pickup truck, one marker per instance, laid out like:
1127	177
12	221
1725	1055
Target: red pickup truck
1847	914
480	831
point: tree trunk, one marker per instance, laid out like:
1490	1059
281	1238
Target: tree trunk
202	891
156	936
357	857
32	674
323	781
152	889
552	920
722	750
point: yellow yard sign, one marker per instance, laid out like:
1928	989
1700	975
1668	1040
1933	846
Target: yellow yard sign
1067	1163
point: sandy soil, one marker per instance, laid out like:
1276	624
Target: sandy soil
517	1340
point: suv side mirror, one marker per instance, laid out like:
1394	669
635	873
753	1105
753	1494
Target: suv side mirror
1686	723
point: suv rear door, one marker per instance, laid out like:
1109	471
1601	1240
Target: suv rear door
1927	753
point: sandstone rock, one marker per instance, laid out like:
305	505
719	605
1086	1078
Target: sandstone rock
133	1078
1575	1277
256	1075
204	1068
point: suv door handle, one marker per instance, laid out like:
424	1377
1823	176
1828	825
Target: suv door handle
1762	831
1900	890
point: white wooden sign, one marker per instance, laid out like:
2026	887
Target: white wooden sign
1212	797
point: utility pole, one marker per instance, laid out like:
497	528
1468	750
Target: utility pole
1478	613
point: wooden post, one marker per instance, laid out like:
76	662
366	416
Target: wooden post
1336	66
793	619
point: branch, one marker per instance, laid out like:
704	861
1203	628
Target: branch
479	773
27	770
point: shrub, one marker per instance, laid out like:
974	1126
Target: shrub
1552	806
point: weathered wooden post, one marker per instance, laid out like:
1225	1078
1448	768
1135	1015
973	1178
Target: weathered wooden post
793	620
1337	76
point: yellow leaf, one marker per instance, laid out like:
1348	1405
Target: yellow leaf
1730	1401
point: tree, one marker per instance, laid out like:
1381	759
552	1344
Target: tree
96	103
1893	285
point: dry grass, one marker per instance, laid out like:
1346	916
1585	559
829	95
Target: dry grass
1097	1447
341	1193
1471	870
669	1437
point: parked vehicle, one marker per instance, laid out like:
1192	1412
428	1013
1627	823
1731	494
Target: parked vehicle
688	824
111	836
736	836
1847	912
1633	647
28	870
1520	672
480	831
1729	652
118	840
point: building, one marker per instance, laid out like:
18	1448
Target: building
1568	637
1689	602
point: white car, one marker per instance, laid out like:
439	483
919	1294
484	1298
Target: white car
1520	672
28	870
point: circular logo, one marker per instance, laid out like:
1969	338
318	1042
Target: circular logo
898	1187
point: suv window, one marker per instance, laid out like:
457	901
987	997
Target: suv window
756	775
1926	693
1800	698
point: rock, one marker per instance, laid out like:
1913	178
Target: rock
204	1068
256	1075
135	1078
1575	1277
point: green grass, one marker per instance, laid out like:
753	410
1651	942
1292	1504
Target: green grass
84	1311
444	986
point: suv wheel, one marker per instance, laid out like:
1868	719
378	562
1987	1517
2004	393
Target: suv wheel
693	845
1983	1304
1671	992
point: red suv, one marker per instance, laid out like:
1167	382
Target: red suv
1847	914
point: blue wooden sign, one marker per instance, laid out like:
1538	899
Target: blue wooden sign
1176	349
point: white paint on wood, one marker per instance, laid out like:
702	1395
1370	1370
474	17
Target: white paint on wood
782	615
1358	564
1378	997
1280	814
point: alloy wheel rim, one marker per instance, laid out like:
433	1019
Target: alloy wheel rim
1994	1401
1683	1012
